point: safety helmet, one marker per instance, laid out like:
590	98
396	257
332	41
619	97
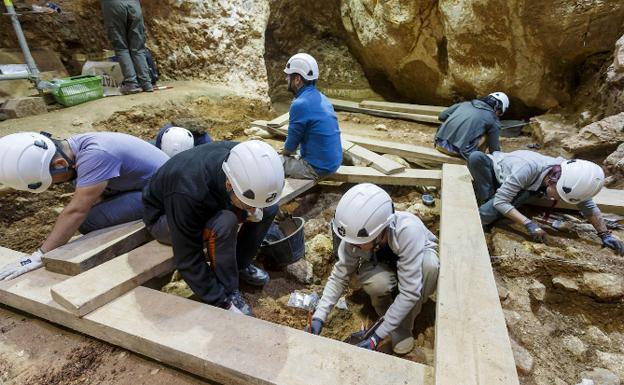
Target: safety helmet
362	213
501	97
304	65
25	159
580	180
175	140
255	172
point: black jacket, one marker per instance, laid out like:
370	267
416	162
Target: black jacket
189	189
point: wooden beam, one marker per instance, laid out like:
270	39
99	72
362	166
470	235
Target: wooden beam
295	187
608	201
407	151
345	105
95	248
409	177
277	131
211	342
418	109
92	289
471	343
376	161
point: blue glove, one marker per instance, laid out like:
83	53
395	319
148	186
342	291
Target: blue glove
317	326
608	240
536	233
371	343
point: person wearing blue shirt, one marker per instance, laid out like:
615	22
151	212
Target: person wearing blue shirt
313	125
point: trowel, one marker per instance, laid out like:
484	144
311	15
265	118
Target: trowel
363	334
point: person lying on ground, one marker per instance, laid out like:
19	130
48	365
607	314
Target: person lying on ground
393	255
108	170
471	126
313	125
173	140
504	182
198	199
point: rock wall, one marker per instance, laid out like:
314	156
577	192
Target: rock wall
438	51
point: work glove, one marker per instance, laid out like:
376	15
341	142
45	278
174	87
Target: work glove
256	216
21	266
536	233
608	240
371	343
317	326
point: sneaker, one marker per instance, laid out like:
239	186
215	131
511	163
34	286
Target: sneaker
239	302
128	89
147	87
253	275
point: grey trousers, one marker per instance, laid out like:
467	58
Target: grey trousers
379	281
123	20
115	210
297	167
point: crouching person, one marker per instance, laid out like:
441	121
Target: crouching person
389	252
108	170
172	139
504	182
197	200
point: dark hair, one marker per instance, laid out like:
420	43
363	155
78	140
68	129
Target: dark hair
493	102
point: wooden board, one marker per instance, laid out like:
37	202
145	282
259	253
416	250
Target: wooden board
280	121
407	151
376	161
471	343
92	289
345	105
608	200
211	342
95	248
295	187
277	131
409	177
418	109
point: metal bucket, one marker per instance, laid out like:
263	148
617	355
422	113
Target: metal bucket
284	243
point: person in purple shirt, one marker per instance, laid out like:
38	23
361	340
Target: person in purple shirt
108	170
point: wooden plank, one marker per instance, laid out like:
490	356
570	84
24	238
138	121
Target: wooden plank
409	177
419	109
277	131
95	248
376	161
211	342
295	187
608	201
407	151
94	288
280	121
345	105
471	343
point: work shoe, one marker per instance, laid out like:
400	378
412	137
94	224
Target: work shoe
128	89
147	87
253	275
239	302
402	341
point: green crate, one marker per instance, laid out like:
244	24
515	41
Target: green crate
77	89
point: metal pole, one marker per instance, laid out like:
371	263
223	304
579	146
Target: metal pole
30	62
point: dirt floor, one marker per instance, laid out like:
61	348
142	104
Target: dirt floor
563	331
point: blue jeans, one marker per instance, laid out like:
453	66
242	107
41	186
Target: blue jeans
115	210
485	185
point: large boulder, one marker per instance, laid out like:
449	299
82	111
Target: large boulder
439	51
605	134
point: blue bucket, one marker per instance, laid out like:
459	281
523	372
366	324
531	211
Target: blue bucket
284	243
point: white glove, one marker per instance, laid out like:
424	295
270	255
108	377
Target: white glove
21	266
256	216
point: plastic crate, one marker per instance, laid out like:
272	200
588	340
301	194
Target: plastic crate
77	89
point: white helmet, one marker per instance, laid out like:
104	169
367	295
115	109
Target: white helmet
362	213
175	140
501	97
580	180
25	159
304	65
256	173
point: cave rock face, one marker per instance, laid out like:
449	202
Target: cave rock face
450	49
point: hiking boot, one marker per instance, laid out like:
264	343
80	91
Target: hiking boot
128	89
402	341
253	275
239	302
147	87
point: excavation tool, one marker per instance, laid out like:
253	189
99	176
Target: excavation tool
570	223
285	242
364	333
304	301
